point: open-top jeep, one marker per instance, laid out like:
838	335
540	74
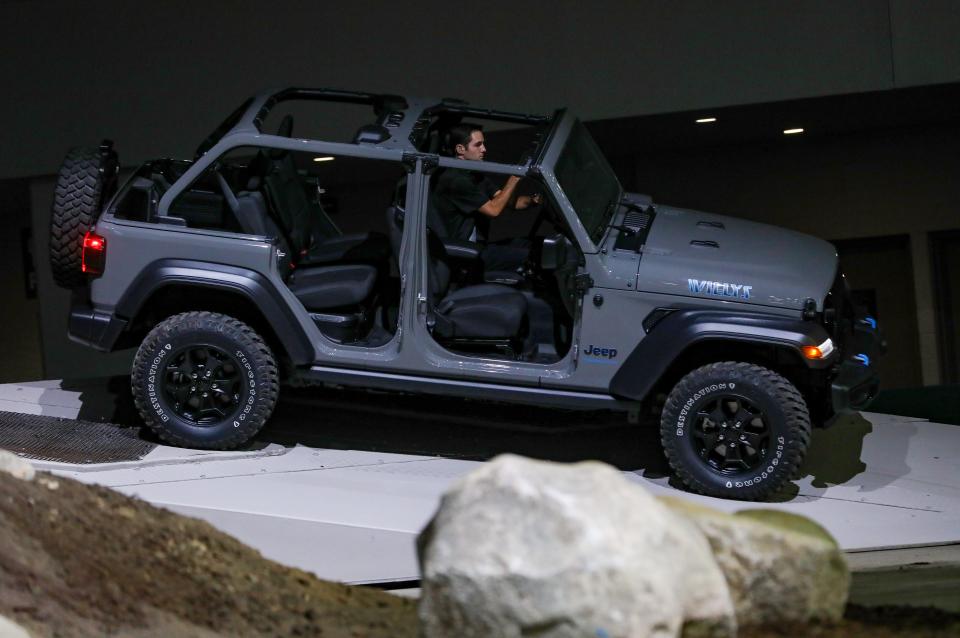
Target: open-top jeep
276	256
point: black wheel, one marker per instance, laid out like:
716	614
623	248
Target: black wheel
87	178
735	430
204	380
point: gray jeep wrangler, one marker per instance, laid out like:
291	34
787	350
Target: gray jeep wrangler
262	261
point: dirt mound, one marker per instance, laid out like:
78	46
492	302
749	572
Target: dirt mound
79	560
870	622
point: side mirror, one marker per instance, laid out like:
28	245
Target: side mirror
553	253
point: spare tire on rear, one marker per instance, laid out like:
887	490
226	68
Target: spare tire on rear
87	178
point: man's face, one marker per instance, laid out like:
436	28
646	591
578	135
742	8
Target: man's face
474	150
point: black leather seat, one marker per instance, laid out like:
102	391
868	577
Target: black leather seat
477	313
484	311
328	287
313	239
318	287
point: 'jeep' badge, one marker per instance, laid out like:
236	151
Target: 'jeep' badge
599	354
719	289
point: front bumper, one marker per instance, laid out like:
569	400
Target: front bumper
858	381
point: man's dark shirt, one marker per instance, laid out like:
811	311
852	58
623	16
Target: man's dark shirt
457	198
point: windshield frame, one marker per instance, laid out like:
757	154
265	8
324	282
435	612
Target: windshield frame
566	128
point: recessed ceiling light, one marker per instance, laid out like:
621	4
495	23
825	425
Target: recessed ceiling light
706	120
326	158
792	131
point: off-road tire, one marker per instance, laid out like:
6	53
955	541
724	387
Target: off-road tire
86	179
686	432
158	374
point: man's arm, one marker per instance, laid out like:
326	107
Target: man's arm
494	206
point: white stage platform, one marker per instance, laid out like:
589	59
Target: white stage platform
353	516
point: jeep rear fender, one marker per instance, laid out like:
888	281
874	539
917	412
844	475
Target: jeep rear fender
676	332
249	284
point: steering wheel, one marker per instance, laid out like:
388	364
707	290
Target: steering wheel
544	214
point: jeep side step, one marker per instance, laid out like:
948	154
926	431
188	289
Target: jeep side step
529	395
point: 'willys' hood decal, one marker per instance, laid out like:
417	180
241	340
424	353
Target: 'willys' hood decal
712	256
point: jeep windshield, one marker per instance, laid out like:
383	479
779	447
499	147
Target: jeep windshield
588	181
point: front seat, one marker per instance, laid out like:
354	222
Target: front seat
481	315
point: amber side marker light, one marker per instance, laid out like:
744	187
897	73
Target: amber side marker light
94	254
818	352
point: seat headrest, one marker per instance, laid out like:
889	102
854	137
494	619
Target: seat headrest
286	126
284	130
258	167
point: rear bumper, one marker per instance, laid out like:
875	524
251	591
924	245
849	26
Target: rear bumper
94	328
858	381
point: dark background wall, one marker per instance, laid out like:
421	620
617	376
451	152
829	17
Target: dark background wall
19	305
157	76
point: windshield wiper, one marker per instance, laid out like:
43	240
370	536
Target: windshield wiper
625	230
632	206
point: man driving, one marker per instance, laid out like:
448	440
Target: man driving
462	198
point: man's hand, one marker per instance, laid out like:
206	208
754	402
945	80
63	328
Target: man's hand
526	201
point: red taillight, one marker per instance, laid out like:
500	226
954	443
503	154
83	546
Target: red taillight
94	254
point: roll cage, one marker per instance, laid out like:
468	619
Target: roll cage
399	122
402	128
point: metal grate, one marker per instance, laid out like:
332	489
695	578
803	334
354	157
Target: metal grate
47	438
637	220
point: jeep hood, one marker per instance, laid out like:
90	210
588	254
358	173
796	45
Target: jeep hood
707	256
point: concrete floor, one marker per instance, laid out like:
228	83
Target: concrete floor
340	485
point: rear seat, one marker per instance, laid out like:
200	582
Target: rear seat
299	218
338	297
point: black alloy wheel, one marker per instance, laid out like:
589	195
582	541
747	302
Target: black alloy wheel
202	384
731	434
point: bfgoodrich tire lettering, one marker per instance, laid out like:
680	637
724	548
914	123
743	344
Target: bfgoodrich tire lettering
204	380
735	430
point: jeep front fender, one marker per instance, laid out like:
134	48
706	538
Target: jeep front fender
676	332
247	283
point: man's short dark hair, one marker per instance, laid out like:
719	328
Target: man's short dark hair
459	134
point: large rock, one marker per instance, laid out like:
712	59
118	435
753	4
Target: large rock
523	548
14	465
10	629
781	567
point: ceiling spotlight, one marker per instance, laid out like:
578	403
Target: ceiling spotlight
792	131
706	120
326	158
